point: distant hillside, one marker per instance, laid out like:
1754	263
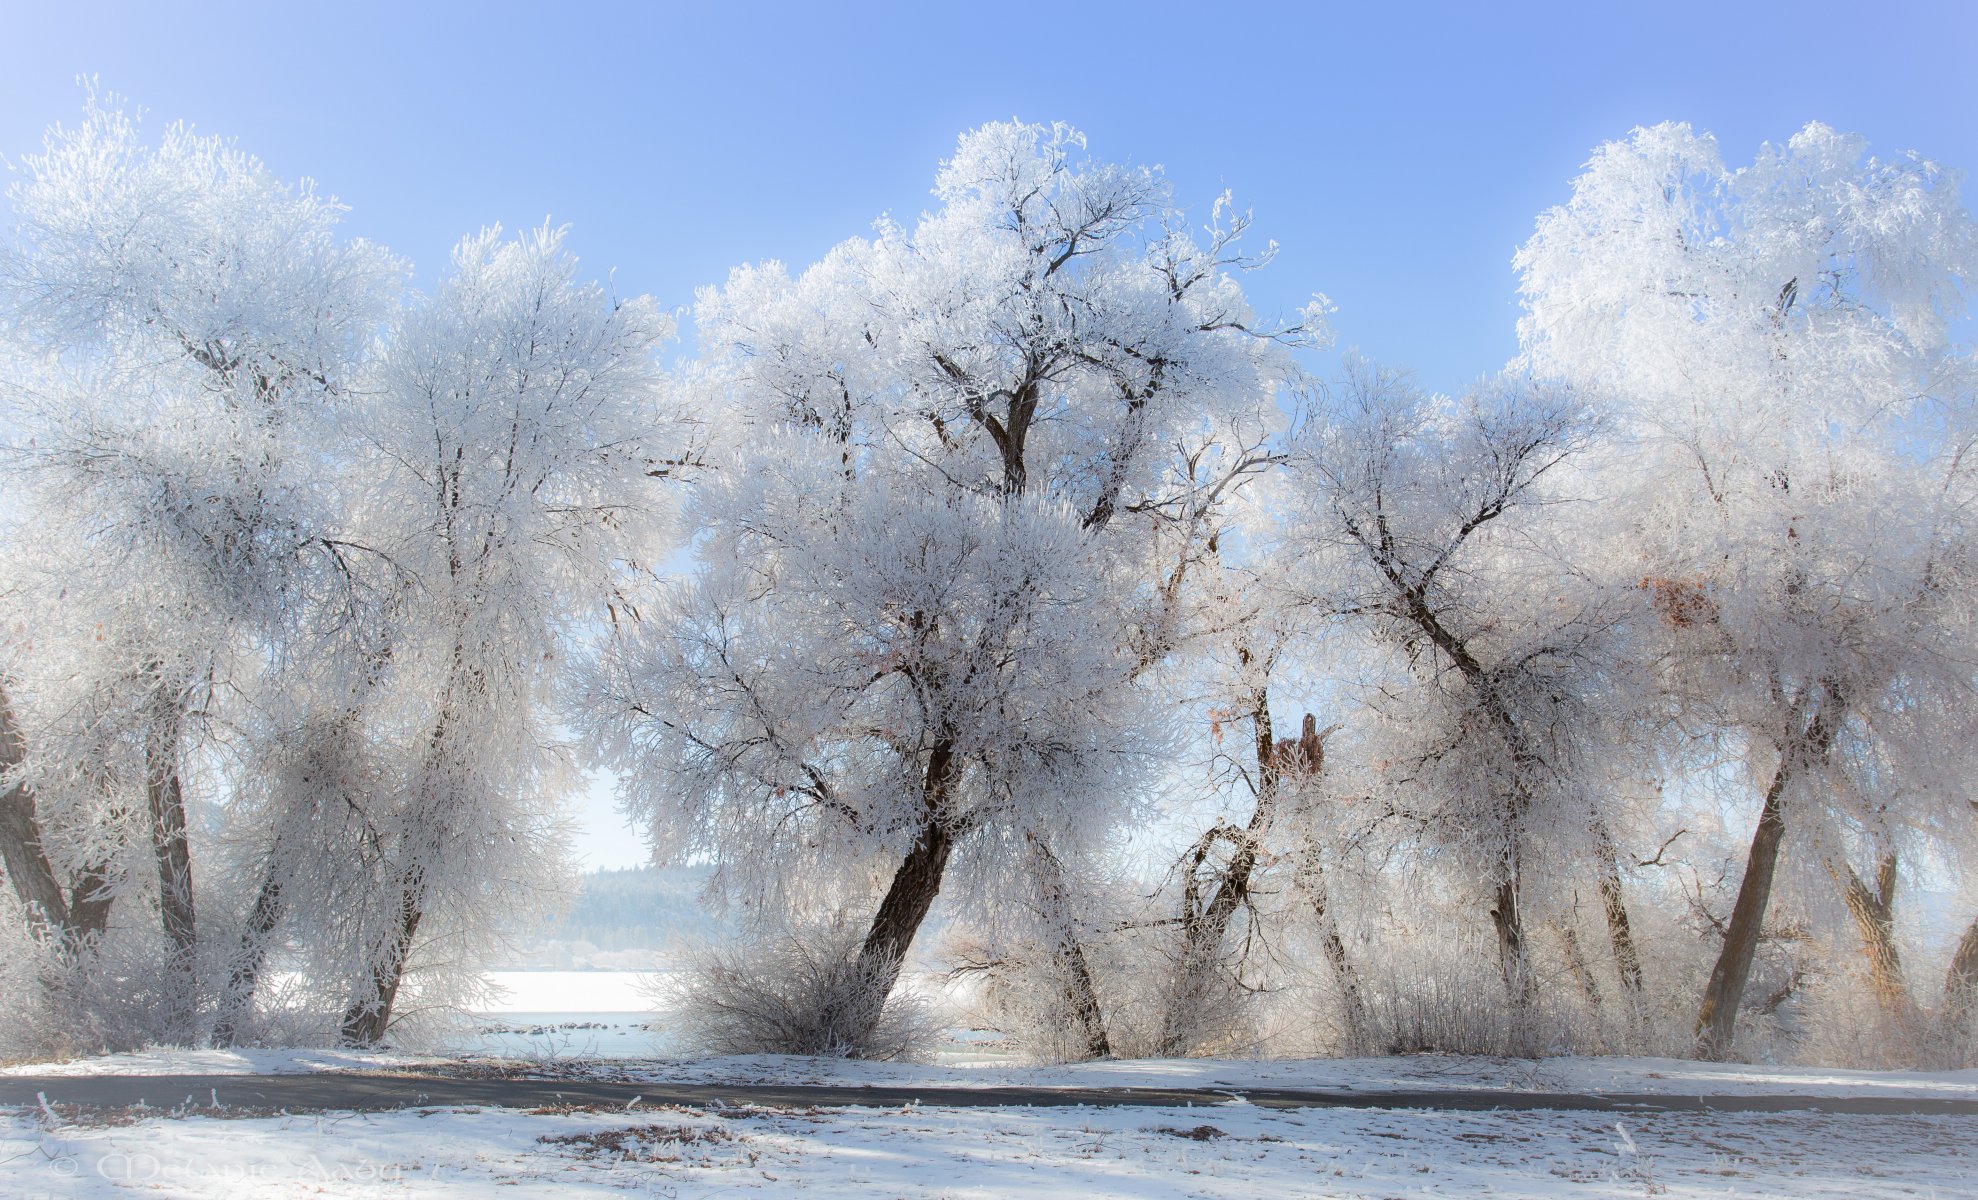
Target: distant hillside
631	919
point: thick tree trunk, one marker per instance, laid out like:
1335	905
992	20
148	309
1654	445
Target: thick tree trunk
911	894
1717	1016
369	1015
1716	1020
916	884
89	902
917	880
27	864
165	793
24	855
1510	926
1874	919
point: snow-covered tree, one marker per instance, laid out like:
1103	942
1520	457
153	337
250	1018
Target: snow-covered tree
1258	847
514	445
962	478
1780	341
179	322
295	560
1438	531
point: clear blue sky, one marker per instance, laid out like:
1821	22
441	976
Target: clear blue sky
1398	152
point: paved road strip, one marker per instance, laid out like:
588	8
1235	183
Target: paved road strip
374	1092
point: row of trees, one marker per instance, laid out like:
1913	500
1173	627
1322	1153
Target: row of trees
1014	535
294	556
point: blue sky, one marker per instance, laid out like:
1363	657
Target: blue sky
1399	153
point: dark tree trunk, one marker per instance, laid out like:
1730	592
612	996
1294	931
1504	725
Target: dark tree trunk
1510	926
27	864
1716	1019
916	883
244	975
89	902
167	797
165	793
370	1014
21	851
1081	991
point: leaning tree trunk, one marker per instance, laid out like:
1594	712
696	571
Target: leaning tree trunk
1717	1016
1081	992
244	972
21	850
1716	1020
369	1015
911	894
1204	924
1613	903
1333	946
1576	962
1874	919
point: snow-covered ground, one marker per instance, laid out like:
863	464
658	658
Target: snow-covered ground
1233	1150
595	1023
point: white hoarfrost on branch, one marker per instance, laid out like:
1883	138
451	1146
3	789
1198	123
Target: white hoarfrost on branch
295	558
179	325
1779	341
960	475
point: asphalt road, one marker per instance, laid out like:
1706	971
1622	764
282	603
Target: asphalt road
372	1092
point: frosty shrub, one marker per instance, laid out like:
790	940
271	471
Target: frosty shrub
1156	1001
1449	1000
1030	997
1204	1008
1841	1023
805	990
34	1029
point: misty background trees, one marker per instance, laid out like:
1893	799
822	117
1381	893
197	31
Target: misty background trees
1005	565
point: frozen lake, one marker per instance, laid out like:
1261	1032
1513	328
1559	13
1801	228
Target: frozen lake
573	991
613	1014
570	1014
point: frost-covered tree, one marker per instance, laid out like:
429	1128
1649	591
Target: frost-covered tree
295	559
178	323
961	481
1436	529
1780	341
1258	846
514	446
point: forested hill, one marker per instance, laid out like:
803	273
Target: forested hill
623	920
